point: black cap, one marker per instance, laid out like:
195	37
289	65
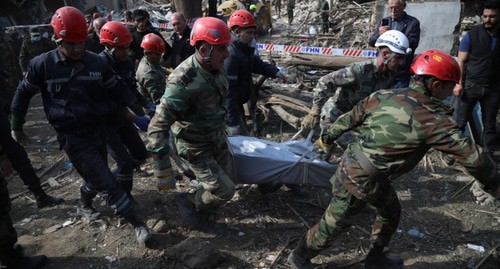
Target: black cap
139	14
34	31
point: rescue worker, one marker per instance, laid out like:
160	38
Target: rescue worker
397	128
240	65
124	143
193	107
357	81
181	49
239	68
151	76
33	46
11	255
75	85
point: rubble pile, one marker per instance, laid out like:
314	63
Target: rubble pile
349	25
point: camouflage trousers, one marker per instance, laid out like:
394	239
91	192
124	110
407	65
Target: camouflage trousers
329	114
352	190
212	165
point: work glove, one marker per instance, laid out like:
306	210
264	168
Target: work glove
151	107
20	137
484	197
311	119
322	147
165	179
142	123
233	130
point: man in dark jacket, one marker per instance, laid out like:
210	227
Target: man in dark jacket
479	60
92	43
75	85
239	68
142	28
181	49
124	143
408	25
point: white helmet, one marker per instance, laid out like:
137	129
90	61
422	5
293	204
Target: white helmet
394	40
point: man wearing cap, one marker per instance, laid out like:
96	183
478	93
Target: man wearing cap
142	28
33	46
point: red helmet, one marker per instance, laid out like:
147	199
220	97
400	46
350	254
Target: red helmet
209	29
437	64
69	25
115	34
153	43
96	15
241	18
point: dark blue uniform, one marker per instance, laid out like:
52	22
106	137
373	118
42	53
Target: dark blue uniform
239	68
124	143
76	98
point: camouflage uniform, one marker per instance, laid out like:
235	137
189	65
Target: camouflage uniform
30	49
192	107
151	80
397	128
357	81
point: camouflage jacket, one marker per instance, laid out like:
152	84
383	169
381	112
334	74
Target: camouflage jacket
151	79
398	127
30	49
357	81
192	106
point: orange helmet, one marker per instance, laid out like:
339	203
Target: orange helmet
153	43
209	29
437	64
69	25
241	18
115	34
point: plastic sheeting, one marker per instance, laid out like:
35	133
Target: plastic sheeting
261	161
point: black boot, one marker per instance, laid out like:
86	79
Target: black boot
376	259
300	257
85	208
270	187
189	215
142	232
18	261
43	199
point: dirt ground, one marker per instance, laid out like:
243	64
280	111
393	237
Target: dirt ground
259	231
